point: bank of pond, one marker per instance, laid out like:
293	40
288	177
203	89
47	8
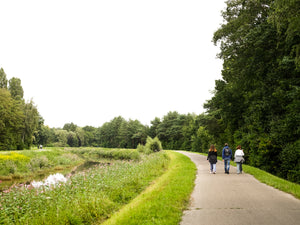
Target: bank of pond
75	186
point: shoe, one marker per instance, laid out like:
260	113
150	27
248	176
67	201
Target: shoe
214	172
210	172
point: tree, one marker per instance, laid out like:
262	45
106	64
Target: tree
80	136
16	88
70	127
11	121
256	102
153	131
3	79
61	137
72	139
31	123
89	136
109	134
137	133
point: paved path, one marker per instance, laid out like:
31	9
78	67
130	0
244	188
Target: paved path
236	199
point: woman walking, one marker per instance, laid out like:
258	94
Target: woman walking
238	158
212	158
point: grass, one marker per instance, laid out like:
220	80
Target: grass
162	202
106	153
18	164
87	198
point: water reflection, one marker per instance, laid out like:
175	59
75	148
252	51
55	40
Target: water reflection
52	180
48	179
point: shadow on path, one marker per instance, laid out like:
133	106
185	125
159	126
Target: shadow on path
236	199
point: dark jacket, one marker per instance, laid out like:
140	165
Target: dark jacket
212	157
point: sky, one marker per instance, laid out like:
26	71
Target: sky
88	61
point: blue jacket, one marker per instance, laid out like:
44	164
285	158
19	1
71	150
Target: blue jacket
223	153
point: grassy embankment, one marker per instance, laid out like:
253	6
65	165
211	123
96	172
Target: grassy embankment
269	179
163	202
93	196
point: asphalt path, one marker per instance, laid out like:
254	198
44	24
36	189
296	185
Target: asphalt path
239	199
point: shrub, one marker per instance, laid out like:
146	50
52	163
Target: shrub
67	159
118	154
38	163
140	148
154	145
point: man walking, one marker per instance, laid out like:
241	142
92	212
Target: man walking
226	156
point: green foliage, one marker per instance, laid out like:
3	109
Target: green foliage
29	162
41	162
290	157
87	198
18	120
3	79
164	201
100	153
154	145
11	121
31	122
15	88
140	148
257	104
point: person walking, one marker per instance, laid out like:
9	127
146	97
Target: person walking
212	158
226	156
239	159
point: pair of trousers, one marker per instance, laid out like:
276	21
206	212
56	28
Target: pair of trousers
226	165
239	167
213	167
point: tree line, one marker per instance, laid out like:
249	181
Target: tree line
256	104
174	130
18	119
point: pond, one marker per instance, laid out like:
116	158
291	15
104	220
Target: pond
48	178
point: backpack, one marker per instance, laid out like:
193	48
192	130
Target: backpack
227	152
213	159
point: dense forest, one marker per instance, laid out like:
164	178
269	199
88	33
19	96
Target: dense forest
255	104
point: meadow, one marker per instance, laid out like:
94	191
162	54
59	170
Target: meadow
103	191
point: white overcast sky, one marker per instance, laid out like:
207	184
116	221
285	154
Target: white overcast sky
88	61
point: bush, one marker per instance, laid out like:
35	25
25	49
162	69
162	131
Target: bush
101	153
38	163
290	166
153	145
140	148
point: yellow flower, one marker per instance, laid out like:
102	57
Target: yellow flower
13	156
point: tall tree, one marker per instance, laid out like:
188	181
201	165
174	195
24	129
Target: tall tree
16	88
3	79
31	123
11	121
